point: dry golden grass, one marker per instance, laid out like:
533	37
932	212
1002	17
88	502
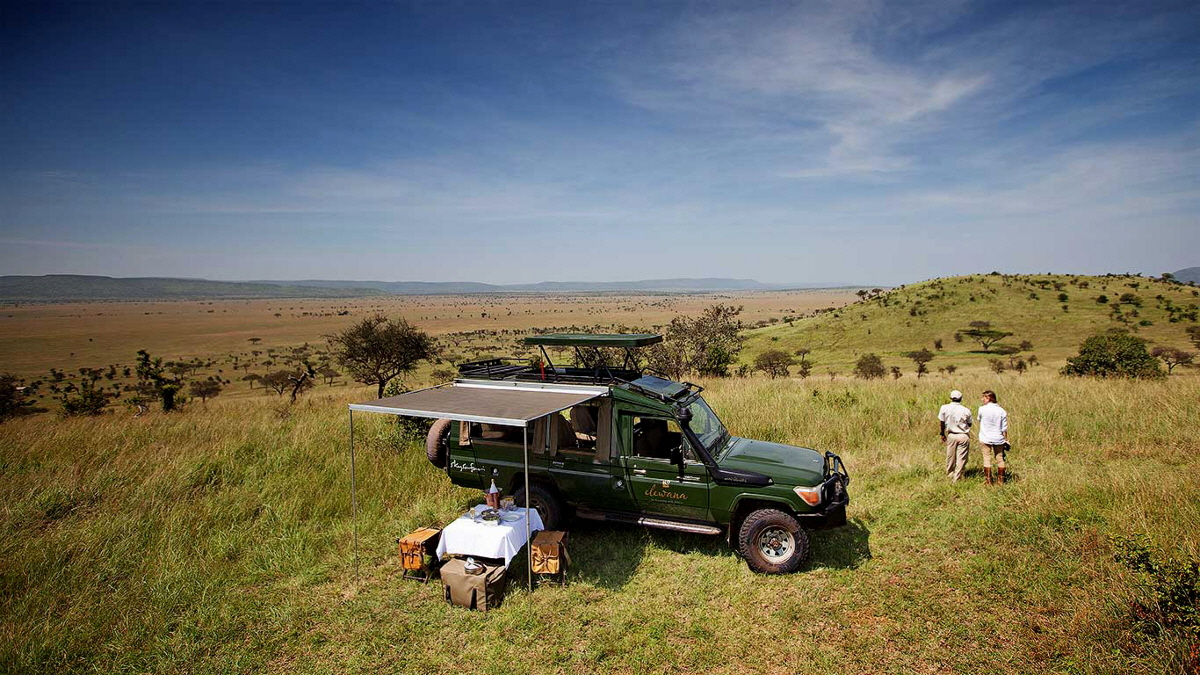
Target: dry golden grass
219	540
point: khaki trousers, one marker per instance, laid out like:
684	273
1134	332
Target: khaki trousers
993	453
956	455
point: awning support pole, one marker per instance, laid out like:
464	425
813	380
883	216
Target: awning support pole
528	505
354	497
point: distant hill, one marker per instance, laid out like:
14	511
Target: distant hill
67	287
457	287
1188	274
912	317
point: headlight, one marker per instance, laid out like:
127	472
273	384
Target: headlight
810	495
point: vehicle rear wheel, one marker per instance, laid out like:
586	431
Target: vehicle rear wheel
772	542
437	443
548	506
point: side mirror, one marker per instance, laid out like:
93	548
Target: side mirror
677	457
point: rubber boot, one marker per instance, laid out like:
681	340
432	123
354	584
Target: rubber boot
987	475
1000	474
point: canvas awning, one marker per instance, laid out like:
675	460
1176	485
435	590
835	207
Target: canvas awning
510	403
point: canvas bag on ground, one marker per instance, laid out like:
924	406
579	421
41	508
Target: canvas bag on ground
483	590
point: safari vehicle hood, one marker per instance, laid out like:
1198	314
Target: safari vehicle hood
785	464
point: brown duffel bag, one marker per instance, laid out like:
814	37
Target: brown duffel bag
482	589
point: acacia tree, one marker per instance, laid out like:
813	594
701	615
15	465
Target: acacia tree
1193	333
205	389
774	362
1173	356
707	345
921	357
869	367
983	333
152	380
378	349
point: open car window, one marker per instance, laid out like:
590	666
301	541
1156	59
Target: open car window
655	437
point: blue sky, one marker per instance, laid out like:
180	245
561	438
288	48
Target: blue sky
846	141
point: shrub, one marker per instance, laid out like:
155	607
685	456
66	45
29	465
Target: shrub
869	367
14	397
707	344
1113	354
774	363
1170	587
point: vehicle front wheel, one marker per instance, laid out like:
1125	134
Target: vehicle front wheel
548	506
772	542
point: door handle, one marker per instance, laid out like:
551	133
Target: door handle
640	472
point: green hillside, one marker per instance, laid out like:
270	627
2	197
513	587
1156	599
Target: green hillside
912	317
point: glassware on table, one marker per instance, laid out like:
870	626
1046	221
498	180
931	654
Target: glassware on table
508	504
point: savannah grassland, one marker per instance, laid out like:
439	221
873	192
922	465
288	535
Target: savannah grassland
219	540
37	337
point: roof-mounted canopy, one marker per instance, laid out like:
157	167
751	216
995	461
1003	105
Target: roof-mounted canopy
508	403
628	341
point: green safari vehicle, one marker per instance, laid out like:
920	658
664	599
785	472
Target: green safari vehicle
637	448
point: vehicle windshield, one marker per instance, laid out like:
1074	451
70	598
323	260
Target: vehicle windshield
706	426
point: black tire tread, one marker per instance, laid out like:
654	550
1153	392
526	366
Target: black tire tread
551	510
748	532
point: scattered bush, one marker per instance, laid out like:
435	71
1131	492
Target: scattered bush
205	389
14	397
1170	587
707	345
1173	356
378	349
869	367
1113	354
774	363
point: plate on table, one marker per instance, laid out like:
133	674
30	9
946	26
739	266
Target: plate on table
511	517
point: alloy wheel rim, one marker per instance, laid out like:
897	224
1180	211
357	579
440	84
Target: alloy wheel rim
776	544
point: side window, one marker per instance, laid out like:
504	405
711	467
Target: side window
655	437
495	433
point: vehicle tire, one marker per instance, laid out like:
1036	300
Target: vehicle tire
772	542
437	443
548	506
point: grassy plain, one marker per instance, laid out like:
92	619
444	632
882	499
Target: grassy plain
35	338
219	540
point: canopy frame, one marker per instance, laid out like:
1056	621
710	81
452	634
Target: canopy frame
581	394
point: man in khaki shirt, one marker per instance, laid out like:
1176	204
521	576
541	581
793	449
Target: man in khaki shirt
955	419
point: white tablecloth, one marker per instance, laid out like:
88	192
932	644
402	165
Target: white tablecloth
467	537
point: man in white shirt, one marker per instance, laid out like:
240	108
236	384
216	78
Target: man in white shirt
955	419
993	435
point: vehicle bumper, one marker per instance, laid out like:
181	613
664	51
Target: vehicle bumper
832	515
833	511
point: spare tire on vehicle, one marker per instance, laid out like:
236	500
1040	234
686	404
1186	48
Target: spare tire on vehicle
437	443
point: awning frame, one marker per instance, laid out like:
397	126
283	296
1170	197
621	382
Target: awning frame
548	388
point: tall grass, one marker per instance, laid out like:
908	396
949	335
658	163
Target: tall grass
219	540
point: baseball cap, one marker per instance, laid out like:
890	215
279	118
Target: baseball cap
956	395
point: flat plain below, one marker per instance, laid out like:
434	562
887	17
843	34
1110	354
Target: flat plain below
35	338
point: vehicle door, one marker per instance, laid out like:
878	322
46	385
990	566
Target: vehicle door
500	453
656	484
583	462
